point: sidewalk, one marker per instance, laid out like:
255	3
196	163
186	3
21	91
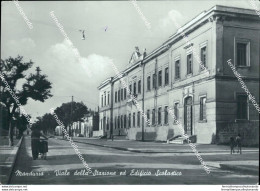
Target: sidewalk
157	147
8	156
244	167
250	167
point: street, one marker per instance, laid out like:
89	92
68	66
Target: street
63	166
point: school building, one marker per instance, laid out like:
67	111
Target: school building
208	101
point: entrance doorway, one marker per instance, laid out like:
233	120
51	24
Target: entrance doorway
188	115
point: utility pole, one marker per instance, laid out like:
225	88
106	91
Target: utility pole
143	104
38	70
156	91
111	110
71	109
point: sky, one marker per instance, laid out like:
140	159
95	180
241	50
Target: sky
112	30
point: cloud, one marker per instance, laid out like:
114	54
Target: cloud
168	22
73	75
67	63
94	65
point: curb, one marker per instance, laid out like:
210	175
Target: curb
147	151
241	169
15	159
118	148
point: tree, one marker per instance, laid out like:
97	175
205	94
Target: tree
21	123
36	86
47	123
71	112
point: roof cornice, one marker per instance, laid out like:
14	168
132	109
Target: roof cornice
105	82
189	27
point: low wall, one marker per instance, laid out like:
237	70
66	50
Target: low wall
97	133
161	133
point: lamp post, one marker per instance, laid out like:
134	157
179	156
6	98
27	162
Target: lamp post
1	107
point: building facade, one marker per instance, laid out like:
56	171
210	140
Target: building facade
208	101
87	126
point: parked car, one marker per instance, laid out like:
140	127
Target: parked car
80	135
102	137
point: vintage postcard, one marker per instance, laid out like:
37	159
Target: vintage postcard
130	93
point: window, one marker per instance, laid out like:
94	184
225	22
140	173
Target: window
153	117
101	123
118	122
148	116
130	88
124	121
108	97
139	86
154	81
129	120
159	78
203	57
135	88
189	64
105	98
148	83
242	106
241	54
203	108
104	123
122	94
138	119
166	76
166	115
125	93
115	96
115	122
176	111
102	101
159	116
118	95
107	123
133	119
177	69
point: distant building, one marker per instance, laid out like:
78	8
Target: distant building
212	107
86	127
91	124
58	131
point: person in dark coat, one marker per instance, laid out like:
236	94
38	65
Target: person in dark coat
238	143
35	139
232	145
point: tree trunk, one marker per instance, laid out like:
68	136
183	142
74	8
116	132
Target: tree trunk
11	128
11	133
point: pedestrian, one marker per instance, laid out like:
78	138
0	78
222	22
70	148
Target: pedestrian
238	143
35	139
232	145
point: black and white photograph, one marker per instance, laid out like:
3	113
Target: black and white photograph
131	92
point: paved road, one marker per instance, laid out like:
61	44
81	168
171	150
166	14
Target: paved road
61	157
